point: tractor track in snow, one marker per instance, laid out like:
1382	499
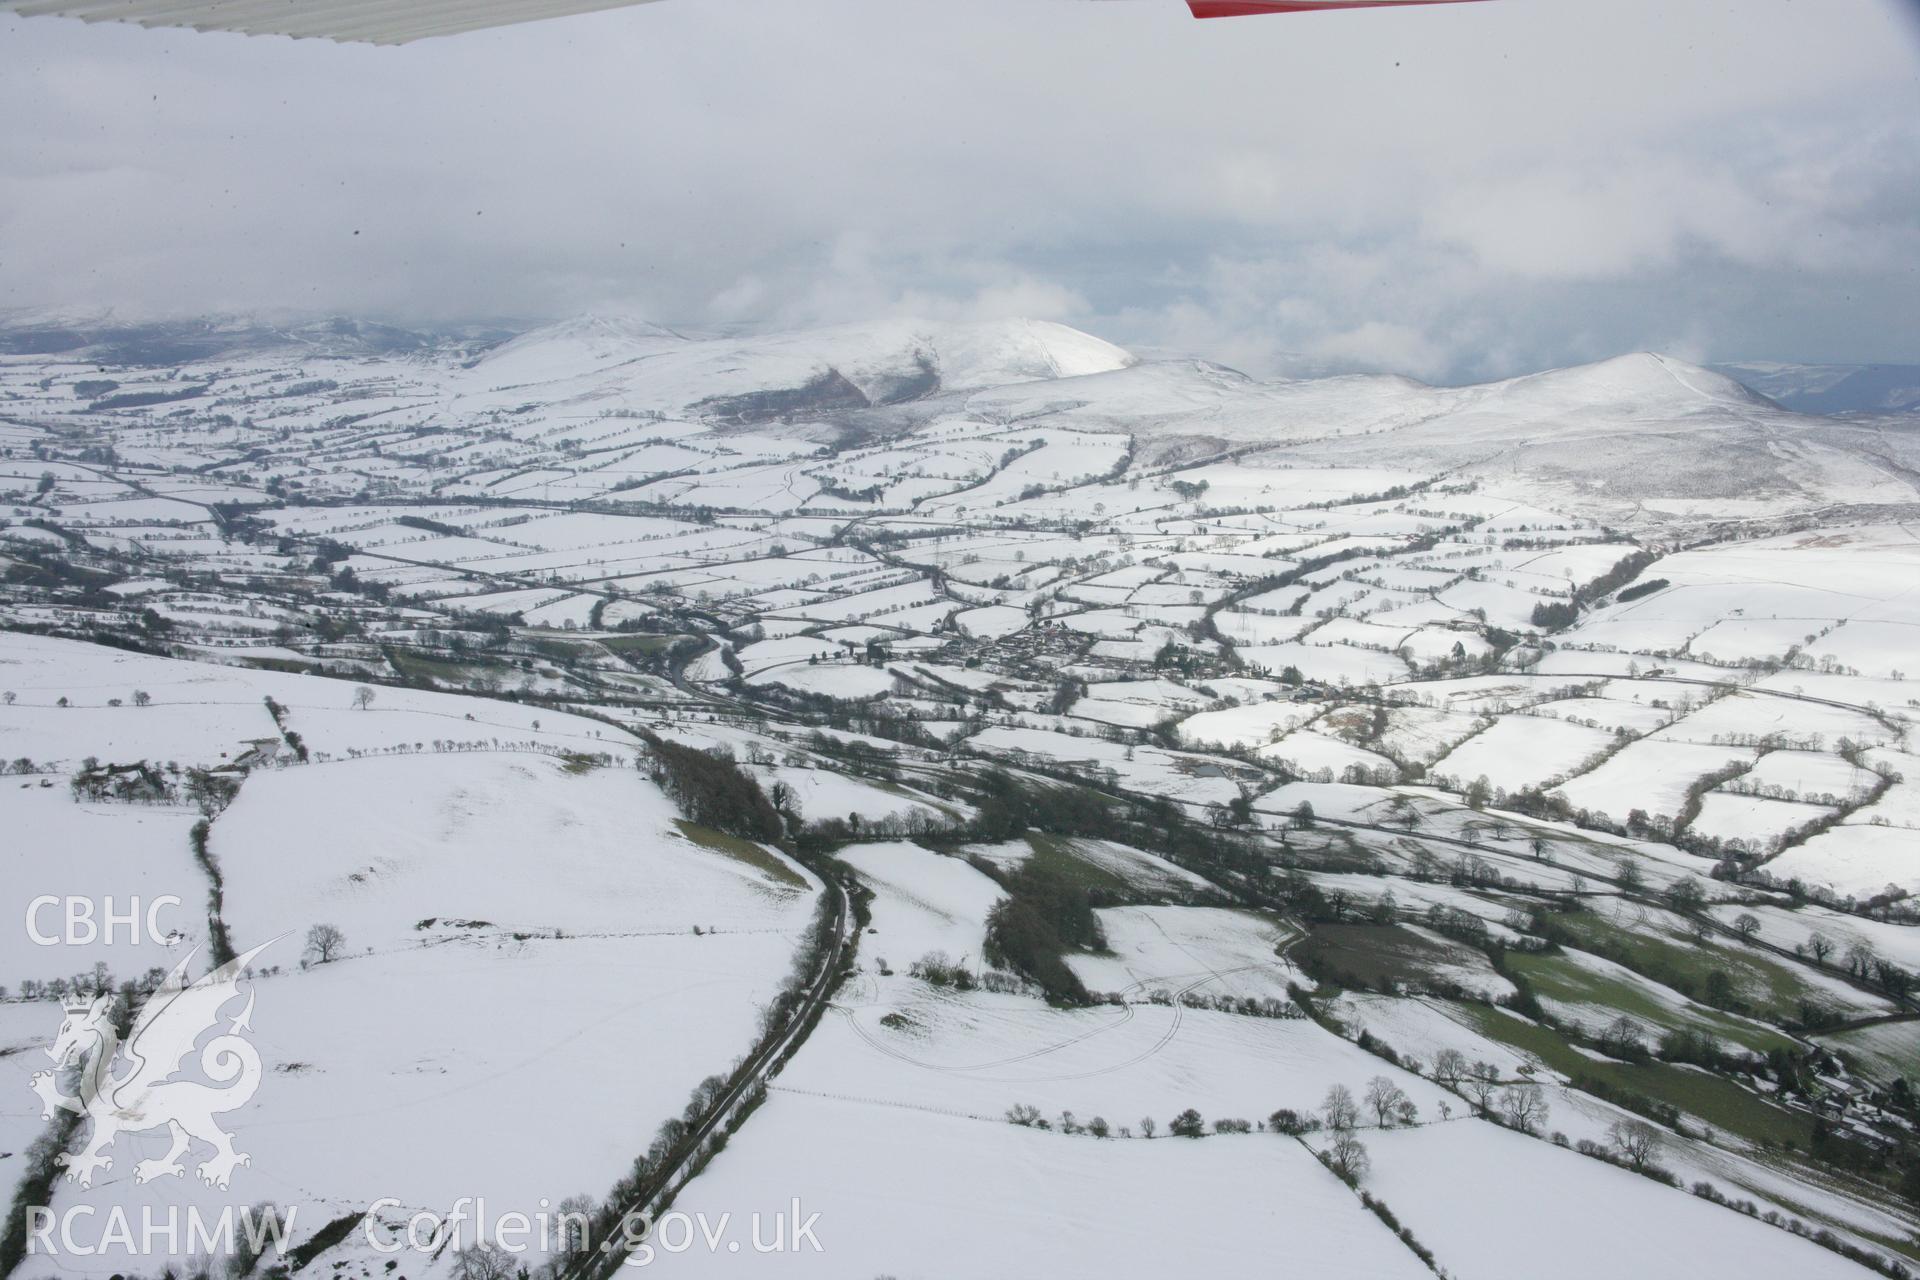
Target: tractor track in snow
1166	1038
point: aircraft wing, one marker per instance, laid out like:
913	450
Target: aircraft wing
399	21
364	21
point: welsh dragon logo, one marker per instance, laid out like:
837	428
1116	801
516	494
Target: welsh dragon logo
146	1096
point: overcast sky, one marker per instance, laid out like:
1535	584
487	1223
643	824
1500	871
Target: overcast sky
1453	192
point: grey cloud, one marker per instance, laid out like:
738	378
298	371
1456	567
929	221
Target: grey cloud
1452	192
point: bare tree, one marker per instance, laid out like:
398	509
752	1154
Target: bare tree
266	1219
1892	977
141	697
1686	896
784	797
1860	959
324	943
1449	1067
1820	946
574	1224
482	1261
1339	1108
1622	1038
1347	1156
1746	924
1524	1106
1637	1142
1383	1099
1483	1078
363	696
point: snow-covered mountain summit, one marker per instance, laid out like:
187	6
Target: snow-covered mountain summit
763	376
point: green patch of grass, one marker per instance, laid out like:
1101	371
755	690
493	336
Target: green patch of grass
408	662
1375	954
741	851
1890	1051
1771	987
1561	978
1715	1099
439	670
1894	1246
1057	856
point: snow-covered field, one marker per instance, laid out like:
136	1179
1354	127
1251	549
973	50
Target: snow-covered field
896	1041
1246	726
1579	1217
1423	1029
1858	861
392	1076
426	844
133	854
924	903
1651	775
1523	751
1170	947
462	882
982	1198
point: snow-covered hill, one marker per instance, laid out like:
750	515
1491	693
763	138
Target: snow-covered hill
643	366
1641	438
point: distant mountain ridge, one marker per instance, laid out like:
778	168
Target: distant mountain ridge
741	377
1833	388
105	339
974	354
1641	439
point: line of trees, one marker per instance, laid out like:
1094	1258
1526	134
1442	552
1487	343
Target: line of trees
712	790
1032	929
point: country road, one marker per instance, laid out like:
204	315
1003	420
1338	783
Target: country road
606	1260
